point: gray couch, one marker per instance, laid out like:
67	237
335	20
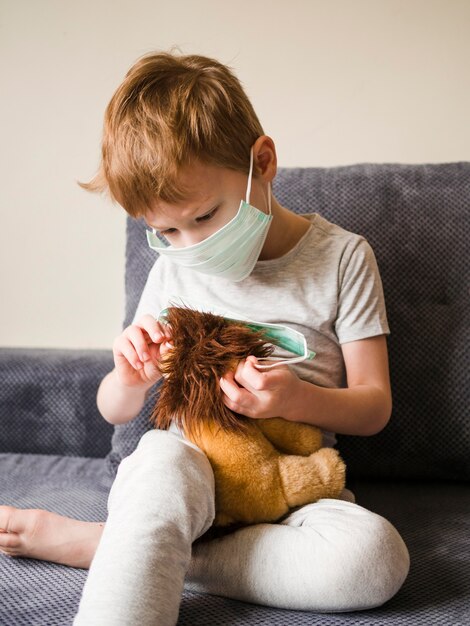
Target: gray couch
56	452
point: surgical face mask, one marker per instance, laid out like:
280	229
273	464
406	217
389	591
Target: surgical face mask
232	251
283	337
278	334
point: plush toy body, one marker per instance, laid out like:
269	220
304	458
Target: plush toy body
262	467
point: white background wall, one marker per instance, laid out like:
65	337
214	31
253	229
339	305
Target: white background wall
334	82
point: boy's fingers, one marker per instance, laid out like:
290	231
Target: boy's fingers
152	327
167	329
236	394
237	398
247	375
126	351
157	331
154	350
229	386
136	336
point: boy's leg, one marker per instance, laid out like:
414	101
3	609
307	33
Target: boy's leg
161	500
329	556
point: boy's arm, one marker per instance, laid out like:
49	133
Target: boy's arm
119	403
364	407
122	393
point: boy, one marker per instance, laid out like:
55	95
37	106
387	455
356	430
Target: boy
182	146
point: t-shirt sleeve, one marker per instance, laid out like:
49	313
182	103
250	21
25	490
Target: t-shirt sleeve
361	304
150	300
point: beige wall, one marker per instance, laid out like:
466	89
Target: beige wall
334	82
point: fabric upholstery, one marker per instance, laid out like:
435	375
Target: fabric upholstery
34	592
432	517
416	217
48	401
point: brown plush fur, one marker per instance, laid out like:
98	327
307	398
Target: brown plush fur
262	467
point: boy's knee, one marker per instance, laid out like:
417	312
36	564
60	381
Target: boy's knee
378	563
364	560
158	448
165	463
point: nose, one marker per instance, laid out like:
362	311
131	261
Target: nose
190	239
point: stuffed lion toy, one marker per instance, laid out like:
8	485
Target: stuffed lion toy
262	467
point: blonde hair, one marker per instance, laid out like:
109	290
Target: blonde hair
168	110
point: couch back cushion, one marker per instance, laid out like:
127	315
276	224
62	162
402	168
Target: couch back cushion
416	217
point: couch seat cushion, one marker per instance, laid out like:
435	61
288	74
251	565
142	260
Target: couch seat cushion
432	518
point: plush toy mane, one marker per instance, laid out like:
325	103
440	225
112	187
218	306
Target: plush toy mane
206	346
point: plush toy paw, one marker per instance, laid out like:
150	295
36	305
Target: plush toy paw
308	479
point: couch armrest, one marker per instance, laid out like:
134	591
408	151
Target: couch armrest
48	401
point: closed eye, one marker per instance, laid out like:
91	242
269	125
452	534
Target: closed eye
208	216
203	218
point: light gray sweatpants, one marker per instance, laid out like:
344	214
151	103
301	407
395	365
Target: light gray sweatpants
330	556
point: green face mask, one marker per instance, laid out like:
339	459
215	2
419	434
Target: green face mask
278	334
283	337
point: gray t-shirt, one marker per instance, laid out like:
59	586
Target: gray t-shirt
327	287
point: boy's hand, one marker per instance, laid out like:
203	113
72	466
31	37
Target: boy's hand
259	394
137	352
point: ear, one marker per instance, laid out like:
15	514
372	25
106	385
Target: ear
265	158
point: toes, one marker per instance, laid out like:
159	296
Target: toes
9	553
18	520
7	516
9	540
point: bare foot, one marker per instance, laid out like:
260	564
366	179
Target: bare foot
40	534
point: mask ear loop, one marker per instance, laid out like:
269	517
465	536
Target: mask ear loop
250	174
248	188
278	363
307	355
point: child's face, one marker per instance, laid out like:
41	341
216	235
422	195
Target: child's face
213	200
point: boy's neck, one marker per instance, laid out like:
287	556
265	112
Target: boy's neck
285	232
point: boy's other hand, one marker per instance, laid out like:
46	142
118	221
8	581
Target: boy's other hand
137	352
259	394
